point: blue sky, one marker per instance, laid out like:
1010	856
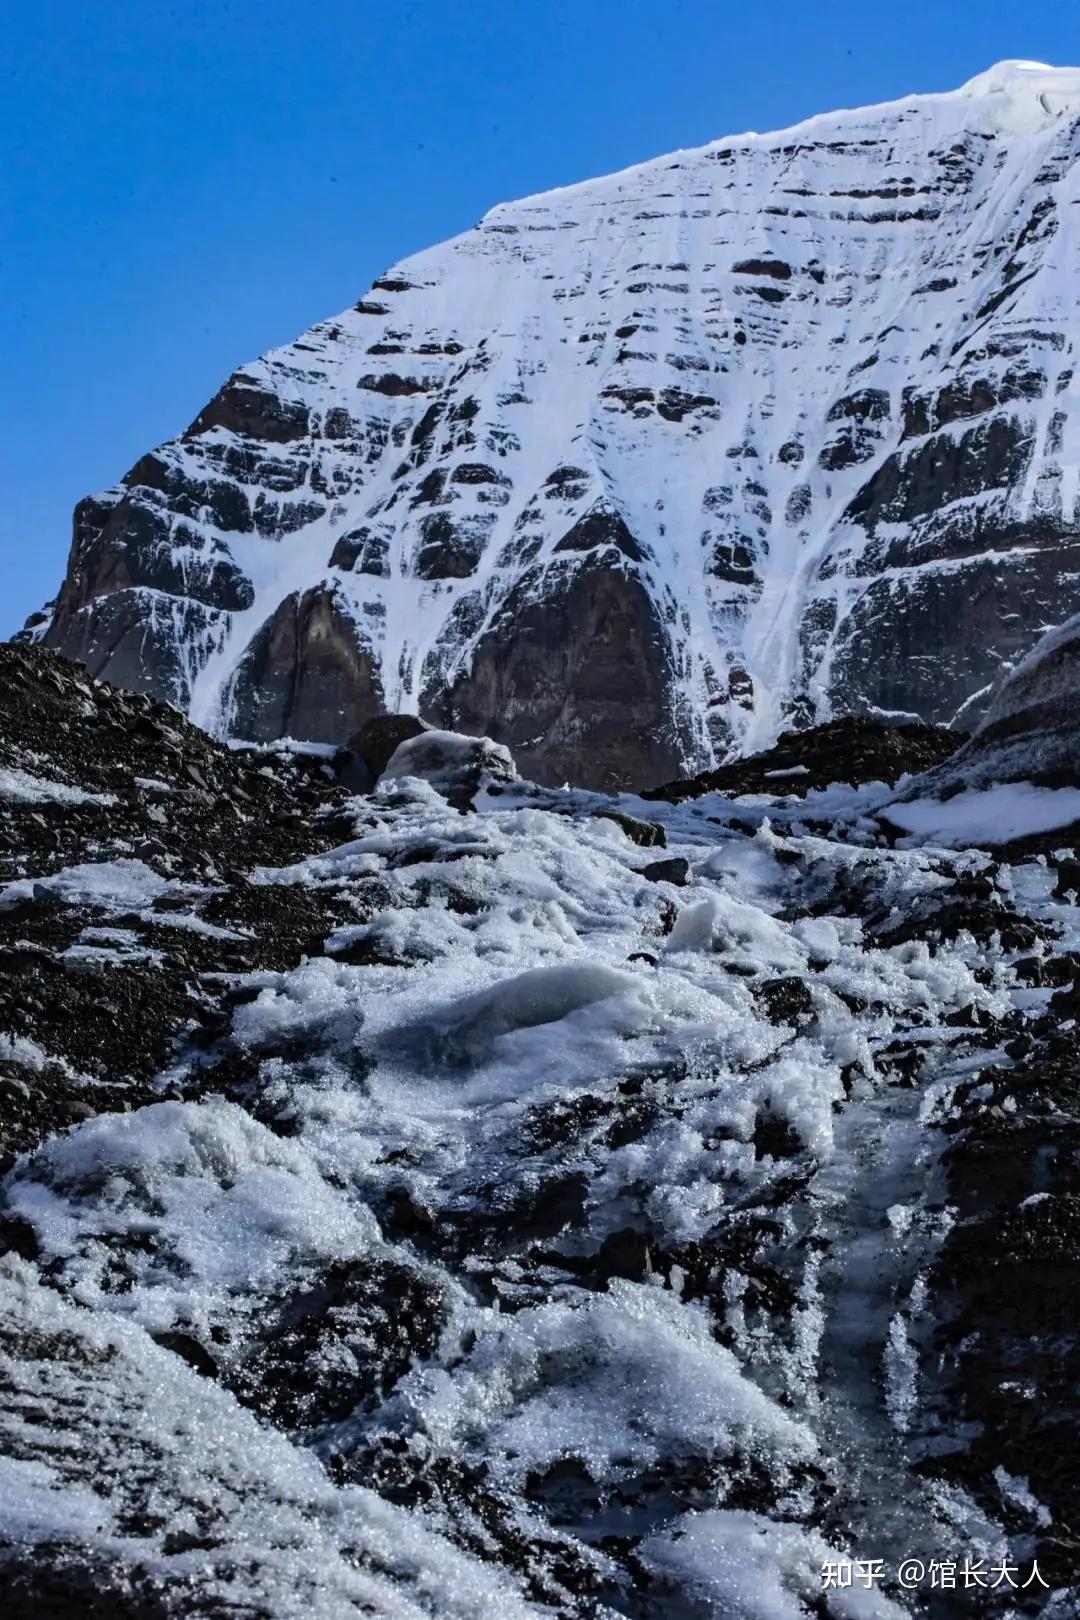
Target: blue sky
184	184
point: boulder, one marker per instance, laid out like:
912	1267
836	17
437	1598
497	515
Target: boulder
454	765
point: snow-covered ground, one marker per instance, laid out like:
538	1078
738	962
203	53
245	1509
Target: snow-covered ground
988	815
644	1165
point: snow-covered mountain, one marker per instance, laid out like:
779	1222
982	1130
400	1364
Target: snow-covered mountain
639	471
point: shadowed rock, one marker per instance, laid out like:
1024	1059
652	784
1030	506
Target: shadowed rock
306	674
1032	728
576	680
380	735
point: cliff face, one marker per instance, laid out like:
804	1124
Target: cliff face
1031	732
638	473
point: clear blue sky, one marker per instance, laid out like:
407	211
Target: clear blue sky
184	184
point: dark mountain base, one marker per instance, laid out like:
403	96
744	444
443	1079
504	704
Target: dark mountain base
853	749
212	816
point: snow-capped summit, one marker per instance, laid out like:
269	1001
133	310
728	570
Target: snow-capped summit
1027	95
640	471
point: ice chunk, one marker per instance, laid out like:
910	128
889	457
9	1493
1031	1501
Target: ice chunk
616	1383
694	926
540	996
454	765
200	1198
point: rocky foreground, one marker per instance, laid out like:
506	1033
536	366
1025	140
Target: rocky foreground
464	1198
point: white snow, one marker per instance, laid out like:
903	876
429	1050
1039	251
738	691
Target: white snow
746	1567
901	1374
1026	96
1018	1492
614	1383
23	788
307	1547
539	996
27	1053
120	885
546	1033
222	1203
987	815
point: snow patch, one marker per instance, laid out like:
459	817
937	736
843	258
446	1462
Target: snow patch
22	788
203	1199
992	815
753	1568
615	1384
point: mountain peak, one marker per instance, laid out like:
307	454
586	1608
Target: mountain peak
636	474
1027	95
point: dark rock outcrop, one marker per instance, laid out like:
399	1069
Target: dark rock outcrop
648	834
575	676
380	735
1032	728
204	815
676	870
1031	737
305	674
852	750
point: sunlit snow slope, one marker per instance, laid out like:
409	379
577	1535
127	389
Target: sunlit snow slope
637	472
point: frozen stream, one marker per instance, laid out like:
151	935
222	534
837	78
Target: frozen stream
879	1207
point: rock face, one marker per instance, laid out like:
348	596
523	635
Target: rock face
638	473
304	674
1032	729
578	682
381	735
